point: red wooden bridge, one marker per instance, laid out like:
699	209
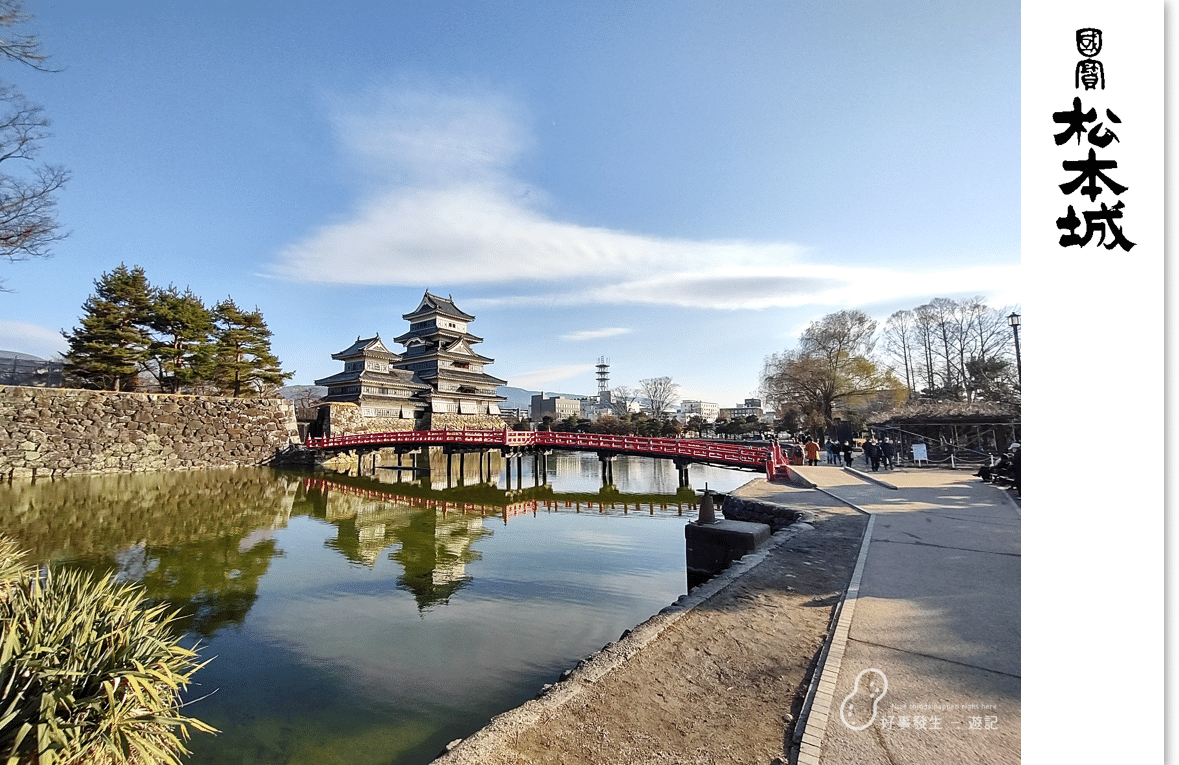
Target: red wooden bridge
684	451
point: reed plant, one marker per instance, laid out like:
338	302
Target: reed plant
89	671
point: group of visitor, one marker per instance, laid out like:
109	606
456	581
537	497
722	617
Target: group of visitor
876	453
1007	469
837	453
882	452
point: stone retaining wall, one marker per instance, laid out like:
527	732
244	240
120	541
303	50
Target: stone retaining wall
57	431
345	419
776	517
340	418
452	421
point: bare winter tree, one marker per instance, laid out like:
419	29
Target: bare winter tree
899	342
621	399
952	343
28	221
660	392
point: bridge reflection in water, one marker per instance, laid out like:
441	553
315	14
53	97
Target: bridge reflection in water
434	531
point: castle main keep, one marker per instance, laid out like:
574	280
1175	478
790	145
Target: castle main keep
437	382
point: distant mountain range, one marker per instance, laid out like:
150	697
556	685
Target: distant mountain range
10	355
521	398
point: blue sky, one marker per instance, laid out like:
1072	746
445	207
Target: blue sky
681	187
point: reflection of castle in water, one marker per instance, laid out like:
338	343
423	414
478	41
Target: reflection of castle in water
433	538
434	532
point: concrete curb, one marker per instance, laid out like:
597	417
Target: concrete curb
817	708
869	479
838	498
495	736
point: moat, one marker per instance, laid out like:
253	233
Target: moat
374	619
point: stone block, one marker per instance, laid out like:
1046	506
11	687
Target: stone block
712	547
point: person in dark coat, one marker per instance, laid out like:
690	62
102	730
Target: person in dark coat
872	454
1018	483
847	454
889	450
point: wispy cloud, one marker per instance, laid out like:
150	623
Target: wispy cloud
595	334
444	208
539	379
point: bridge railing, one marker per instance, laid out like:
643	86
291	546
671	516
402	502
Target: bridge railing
702	451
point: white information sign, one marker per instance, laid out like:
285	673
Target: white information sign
920	454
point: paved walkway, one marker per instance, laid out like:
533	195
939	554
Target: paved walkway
924	664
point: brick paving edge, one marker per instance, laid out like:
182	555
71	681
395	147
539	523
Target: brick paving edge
816	709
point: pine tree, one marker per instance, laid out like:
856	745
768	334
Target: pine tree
108	349
242	361
182	351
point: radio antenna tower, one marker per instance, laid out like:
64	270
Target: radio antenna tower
603	380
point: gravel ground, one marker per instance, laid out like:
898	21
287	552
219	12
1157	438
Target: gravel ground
720	679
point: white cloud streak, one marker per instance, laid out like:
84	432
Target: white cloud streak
595	334
540	379
446	210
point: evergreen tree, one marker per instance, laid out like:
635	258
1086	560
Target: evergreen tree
242	361
108	349
182	351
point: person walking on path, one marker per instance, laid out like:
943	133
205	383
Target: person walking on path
812	452
872	454
832	453
847	454
890	451
1017	483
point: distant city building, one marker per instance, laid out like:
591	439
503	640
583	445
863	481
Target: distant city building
515	413
740	412
705	410
555	407
593	408
753	403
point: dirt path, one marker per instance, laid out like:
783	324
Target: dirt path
722	683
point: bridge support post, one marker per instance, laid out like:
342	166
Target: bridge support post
508	464
519	471
607	461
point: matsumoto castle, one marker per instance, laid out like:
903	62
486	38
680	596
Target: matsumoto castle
438	382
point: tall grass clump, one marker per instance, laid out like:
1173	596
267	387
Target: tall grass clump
89	672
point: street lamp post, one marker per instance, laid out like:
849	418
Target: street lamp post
1013	320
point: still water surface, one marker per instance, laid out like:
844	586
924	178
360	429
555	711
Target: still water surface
372	620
